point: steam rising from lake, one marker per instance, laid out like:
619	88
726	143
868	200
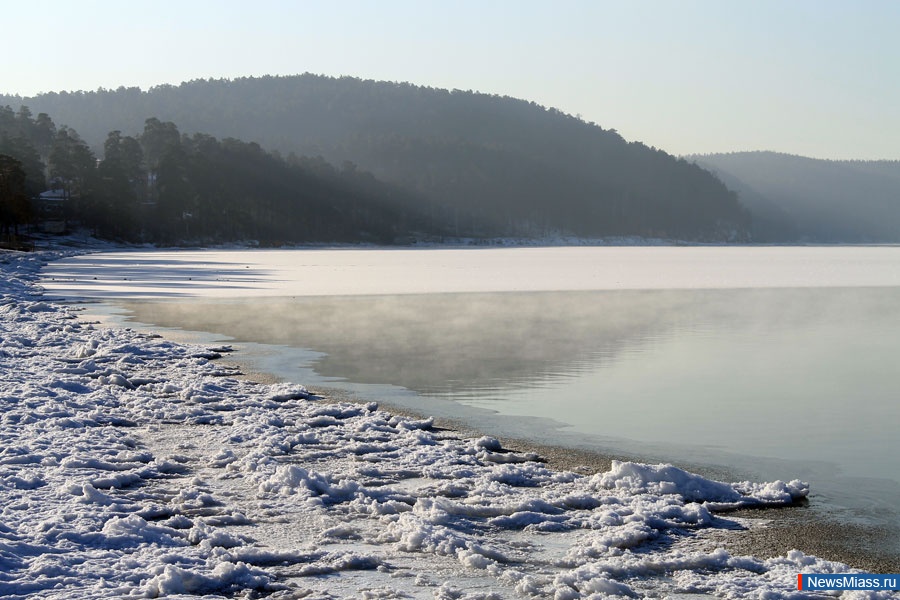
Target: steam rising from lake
775	359
431	342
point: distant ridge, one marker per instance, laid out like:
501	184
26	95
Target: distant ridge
807	199
481	164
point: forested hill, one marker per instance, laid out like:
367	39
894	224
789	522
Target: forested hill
480	164
815	200
164	187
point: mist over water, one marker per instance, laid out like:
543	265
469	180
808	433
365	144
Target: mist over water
435	343
781	373
769	382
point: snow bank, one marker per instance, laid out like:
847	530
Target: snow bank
666	479
131	466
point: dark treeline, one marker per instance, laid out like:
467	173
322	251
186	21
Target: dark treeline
163	186
15	207
473	164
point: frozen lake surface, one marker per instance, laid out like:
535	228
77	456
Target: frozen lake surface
242	273
771	362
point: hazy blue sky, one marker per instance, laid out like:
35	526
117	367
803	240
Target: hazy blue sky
814	77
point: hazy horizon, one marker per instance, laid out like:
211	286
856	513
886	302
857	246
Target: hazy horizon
700	77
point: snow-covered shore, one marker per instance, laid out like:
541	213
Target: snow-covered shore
131	466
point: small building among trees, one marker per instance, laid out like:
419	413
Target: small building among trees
51	210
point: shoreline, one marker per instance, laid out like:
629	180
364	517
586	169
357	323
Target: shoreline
770	533
134	465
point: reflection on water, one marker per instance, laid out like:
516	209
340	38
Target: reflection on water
782	373
438	343
772	383
771	362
